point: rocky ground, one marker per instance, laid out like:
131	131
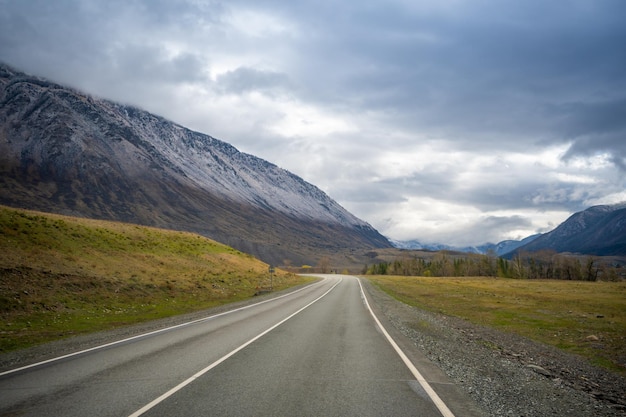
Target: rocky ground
506	375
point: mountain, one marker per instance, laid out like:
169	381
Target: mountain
598	230
499	249
507	246
66	152
417	245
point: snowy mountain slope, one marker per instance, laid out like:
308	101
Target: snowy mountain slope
506	246
67	152
598	230
220	168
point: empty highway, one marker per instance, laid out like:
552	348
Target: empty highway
315	352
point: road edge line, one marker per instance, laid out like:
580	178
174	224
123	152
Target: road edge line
441	406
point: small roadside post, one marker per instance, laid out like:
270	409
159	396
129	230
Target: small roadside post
271	271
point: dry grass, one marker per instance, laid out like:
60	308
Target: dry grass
587	318
61	275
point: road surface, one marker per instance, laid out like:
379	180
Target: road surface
315	352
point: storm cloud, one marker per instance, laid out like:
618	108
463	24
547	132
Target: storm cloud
453	121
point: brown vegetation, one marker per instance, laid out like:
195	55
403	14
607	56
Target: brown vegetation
544	264
587	318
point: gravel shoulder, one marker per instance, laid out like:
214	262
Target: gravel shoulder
505	374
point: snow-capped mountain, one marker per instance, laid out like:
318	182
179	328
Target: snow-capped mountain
598	230
67	152
507	246
498	249
417	245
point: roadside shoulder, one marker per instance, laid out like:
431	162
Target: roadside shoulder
504	373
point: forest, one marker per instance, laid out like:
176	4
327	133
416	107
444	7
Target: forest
533	265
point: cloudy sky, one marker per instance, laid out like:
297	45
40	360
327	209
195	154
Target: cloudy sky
452	121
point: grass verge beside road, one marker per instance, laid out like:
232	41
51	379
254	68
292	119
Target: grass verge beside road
585	318
62	276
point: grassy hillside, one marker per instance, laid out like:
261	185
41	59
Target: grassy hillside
587	318
61	276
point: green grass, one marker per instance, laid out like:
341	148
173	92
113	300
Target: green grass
560	313
61	276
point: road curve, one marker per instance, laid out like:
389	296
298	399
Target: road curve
316	352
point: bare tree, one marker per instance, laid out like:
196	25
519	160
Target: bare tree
324	265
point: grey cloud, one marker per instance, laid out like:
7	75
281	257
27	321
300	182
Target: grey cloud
504	190
368	193
245	80
114	49
358	189
580	119
491	229
485	74
529	193
491	222
619	160
613	144
152	64
594	128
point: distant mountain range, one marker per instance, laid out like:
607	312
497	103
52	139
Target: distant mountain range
598	230
498	249
66	152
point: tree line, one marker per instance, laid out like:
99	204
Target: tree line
536	265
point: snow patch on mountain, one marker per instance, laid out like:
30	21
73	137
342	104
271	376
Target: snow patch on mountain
220	168
498	249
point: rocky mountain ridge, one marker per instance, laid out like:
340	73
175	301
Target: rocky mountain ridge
67	152
599	230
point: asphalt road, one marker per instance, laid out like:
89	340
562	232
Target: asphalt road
316	352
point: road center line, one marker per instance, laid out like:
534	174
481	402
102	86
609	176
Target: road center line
223	358
441	406
69	355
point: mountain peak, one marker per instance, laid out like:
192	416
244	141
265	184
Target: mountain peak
599	230
68	152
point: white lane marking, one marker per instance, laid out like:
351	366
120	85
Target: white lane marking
441	406
197	375
69	355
